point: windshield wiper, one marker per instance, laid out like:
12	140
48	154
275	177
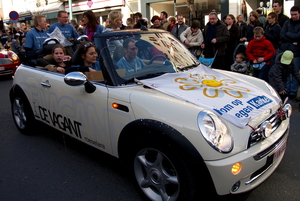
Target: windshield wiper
187	67
150	75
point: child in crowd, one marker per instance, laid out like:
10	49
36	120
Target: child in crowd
260	51
240	64
280	72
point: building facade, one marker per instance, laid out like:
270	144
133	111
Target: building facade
190	9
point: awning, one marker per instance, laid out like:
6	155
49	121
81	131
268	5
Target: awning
11	21
29	17
51	10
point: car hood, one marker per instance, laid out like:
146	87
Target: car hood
238	100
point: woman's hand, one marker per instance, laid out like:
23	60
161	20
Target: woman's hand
60	70
91	70
66	58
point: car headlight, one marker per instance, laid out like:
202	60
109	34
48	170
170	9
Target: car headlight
215	132
272	90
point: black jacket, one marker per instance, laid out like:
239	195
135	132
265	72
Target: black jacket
279	73
272	33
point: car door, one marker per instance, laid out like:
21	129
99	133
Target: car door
72	110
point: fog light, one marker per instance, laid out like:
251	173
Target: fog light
287	110
236	186
266	129
236	168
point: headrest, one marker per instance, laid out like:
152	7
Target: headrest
76	58
118	53
82	38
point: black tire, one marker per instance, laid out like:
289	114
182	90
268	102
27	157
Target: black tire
22	115
162	173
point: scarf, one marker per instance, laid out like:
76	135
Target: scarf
90	33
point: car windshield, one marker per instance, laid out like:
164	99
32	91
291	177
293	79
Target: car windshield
146	55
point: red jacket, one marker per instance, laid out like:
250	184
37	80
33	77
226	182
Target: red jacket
262	48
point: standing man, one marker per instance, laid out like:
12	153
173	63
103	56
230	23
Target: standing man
35	38
63	24
164	20
262	18
290	40
272	33
277	8
179	28
215	35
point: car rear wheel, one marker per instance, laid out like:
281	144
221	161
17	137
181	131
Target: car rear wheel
22	115
162	174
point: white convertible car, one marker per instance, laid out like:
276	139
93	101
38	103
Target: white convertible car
184	129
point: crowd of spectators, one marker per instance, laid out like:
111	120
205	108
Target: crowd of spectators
264	35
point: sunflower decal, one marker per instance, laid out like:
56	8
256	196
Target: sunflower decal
212	87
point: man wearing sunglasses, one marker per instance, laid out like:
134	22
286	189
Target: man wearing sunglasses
130	61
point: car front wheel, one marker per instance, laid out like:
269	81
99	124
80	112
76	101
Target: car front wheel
162	174
22	115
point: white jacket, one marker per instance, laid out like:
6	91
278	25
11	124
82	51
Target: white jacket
195	39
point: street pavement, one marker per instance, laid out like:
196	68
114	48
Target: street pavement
52	166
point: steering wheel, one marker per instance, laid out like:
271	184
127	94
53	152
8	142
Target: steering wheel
156	57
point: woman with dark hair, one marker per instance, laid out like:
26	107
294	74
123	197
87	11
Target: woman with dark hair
254	21
86	58
92	25
233	41
244	10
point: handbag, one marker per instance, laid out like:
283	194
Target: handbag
258	66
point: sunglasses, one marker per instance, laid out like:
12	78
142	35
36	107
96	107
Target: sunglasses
269	18
89	44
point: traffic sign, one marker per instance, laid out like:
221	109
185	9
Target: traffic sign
14	15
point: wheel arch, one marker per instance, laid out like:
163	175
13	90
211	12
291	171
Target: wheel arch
17	90
146	128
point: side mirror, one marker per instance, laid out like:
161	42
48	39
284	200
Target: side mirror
78	79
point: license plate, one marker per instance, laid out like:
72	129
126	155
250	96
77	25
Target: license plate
279	152
2	68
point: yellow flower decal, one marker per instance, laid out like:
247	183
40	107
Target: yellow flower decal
212	87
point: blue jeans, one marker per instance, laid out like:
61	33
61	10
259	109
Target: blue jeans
262	73
292	84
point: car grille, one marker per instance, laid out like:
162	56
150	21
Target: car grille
256	136
5	72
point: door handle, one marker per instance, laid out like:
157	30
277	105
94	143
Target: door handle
46	84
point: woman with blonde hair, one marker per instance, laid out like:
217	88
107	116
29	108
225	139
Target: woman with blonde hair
115	21
242	27
254	21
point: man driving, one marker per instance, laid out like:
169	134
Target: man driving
130	61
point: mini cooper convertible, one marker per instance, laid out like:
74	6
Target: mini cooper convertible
184	129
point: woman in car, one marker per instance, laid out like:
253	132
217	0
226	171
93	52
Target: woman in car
93	26
85	59
59	61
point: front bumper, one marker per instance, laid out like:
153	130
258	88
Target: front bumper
258	163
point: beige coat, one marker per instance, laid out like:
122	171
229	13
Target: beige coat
195	39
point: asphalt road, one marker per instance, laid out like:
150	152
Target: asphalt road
51	166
